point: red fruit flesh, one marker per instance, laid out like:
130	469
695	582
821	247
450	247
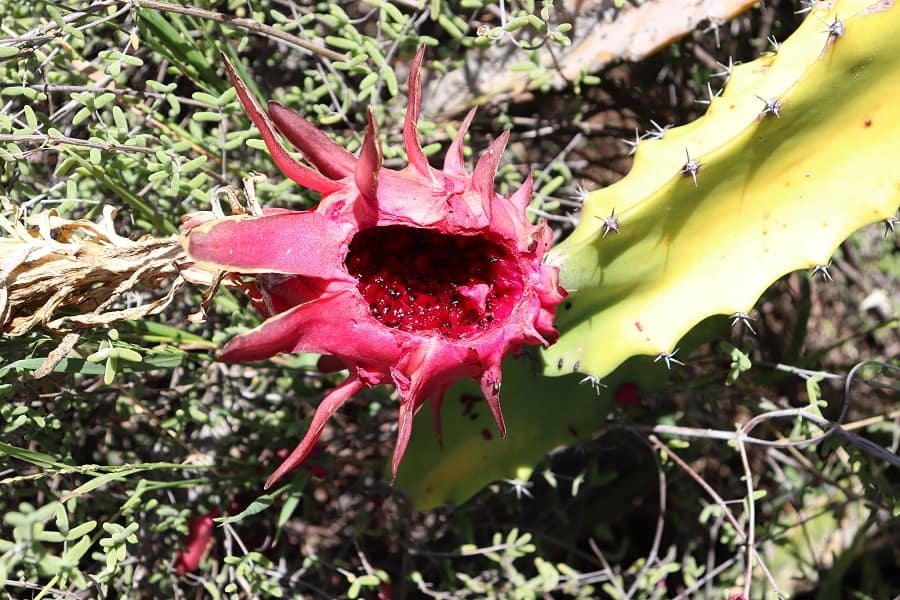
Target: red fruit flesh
422	281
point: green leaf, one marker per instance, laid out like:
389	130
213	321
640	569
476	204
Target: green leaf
145	211
62	519
30	456
205	98
261	503
77	550
740	362
81	530
100	481
109	372
287	510
159	32
814	393
207	116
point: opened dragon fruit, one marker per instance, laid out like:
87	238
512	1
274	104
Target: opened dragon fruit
416	278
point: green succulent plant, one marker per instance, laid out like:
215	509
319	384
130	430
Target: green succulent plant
796	154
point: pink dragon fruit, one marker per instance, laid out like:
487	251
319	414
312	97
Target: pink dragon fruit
416	278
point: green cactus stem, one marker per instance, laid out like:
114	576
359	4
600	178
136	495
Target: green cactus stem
798	152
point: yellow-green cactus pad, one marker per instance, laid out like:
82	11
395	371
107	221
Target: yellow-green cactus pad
799	151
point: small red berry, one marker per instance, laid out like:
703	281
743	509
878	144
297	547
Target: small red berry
628	394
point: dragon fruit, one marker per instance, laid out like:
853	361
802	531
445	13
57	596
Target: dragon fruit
415	277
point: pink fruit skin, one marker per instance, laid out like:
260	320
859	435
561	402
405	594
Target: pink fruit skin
461	285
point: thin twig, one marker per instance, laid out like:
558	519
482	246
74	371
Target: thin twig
31	586
38	34
61	139
751	517
719	434
710	576
611	577
653	556
67	89
715	496
248	24
829	427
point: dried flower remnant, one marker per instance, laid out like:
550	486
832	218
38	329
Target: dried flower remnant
416	278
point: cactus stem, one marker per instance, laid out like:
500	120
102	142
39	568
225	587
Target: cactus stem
772	106
744	319
610	223
691	167
823	271
668	358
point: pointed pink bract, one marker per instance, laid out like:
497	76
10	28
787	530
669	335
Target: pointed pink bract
486	167
330	159
270	244
454	163
295	171
414	104
369	164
